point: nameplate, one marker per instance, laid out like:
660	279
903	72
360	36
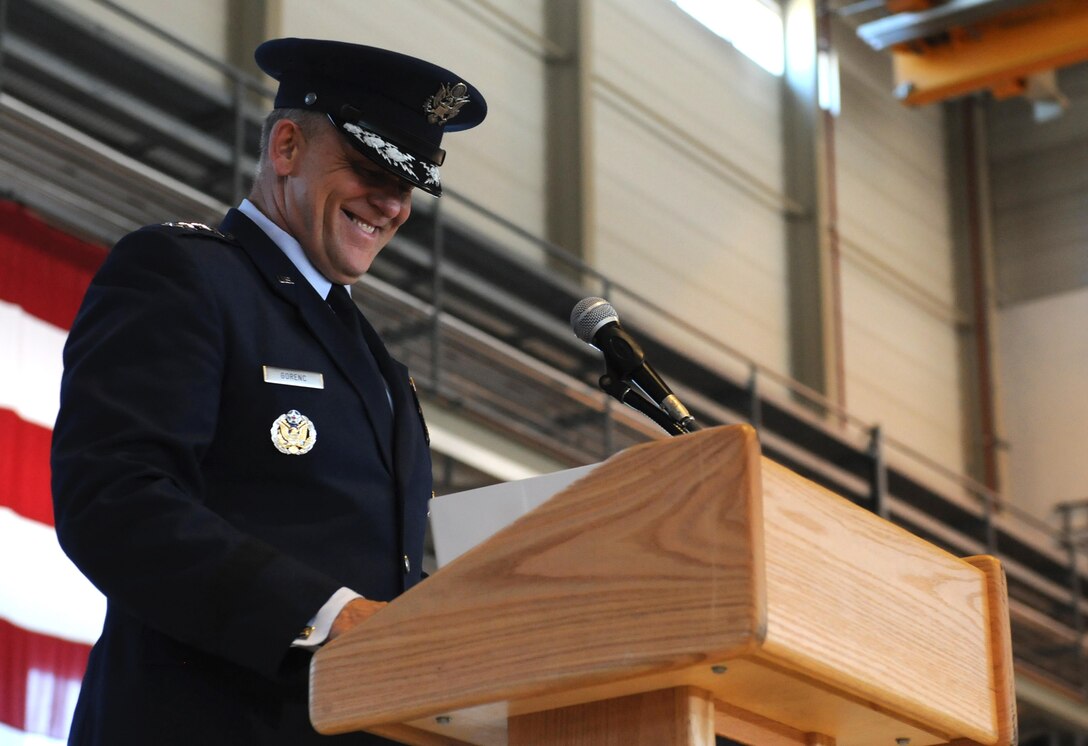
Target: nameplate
307	379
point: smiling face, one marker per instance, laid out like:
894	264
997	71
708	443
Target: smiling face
339	205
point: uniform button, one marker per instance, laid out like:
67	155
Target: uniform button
407	564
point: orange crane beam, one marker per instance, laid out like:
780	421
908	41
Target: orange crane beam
998	53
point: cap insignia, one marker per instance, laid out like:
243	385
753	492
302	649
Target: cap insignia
293	433
446	104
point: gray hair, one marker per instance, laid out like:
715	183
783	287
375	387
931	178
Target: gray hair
310	122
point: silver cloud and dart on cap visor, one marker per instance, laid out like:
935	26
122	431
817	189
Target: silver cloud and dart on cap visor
391	107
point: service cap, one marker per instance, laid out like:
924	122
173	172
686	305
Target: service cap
391	107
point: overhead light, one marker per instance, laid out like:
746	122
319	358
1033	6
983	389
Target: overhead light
1047	102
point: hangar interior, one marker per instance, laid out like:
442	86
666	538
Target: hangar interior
876	254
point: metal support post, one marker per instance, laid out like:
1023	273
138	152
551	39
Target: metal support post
991	529
755	406
1069	538
878	486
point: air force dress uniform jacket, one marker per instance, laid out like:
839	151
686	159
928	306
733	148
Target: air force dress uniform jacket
213	546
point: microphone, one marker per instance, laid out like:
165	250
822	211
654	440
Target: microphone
596	323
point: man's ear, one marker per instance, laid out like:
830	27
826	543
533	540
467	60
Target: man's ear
285	145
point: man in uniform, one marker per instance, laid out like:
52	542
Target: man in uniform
238	463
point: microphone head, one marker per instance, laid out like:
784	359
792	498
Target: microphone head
589	315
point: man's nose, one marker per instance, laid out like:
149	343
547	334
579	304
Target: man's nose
389	199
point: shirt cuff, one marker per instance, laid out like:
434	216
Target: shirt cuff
317	629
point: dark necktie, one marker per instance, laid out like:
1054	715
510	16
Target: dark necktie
352	319
345	309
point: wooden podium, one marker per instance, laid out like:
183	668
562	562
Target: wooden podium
686	587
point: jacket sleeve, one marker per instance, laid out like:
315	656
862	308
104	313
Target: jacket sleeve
140	399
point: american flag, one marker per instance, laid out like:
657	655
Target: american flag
49	613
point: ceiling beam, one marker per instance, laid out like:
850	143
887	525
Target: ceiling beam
998	55
900	28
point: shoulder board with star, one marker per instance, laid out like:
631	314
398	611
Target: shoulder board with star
198	229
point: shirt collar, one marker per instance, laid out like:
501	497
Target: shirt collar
289	246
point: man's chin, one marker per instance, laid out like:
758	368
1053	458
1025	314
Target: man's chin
351	275
354	265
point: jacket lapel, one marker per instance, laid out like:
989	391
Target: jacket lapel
409	438
323	324
404	403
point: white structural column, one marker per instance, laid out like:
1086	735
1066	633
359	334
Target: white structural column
568	133
814	312
248	23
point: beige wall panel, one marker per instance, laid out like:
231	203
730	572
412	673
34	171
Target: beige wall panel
894	212
696	247
900	349
201	23
686	210
1044	356
898	370
676	68
500	163
892	174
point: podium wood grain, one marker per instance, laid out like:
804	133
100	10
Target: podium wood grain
691	562
682	716
630	572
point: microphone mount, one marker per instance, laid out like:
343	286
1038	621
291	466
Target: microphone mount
628	377
624	394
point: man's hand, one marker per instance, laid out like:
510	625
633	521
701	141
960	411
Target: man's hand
355	612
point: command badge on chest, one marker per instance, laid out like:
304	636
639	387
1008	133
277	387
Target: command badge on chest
293	433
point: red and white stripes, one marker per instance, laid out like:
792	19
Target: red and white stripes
49	613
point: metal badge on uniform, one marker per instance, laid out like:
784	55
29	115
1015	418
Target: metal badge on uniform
293	433
307	379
